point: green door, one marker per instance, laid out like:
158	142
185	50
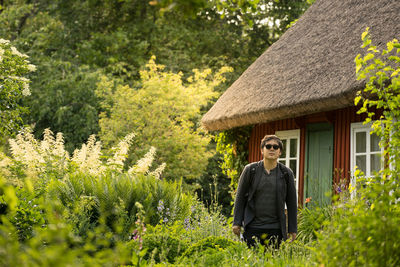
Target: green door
319	163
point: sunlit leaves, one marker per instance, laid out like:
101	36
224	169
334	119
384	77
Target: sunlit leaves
14	86
163	110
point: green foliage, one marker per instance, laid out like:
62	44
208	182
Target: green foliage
381	71
365	231
54	242
187	7
255	13
164	113
213	186
115	196
163	247
312	220
212	242
71	43
233	145
220	251
14	86
67	103
204	222
28	214
93	188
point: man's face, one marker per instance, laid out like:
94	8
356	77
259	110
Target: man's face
271	150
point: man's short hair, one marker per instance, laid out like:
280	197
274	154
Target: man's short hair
269	137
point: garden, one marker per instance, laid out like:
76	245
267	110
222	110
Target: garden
115	199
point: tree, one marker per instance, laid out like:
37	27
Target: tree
71	41
14	66
164	112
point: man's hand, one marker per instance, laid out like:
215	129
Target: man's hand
236	230
292	236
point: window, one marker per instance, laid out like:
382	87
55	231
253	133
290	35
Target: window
291	152
365	152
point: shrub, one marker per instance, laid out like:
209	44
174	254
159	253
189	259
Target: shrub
163	246
211	242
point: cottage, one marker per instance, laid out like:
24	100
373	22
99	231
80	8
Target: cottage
302	89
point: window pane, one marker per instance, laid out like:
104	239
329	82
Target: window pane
293	166
361	142
361	163
293	148
375	143
284	141
283	161
375	162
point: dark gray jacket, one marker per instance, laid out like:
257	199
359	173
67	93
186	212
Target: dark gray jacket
243	212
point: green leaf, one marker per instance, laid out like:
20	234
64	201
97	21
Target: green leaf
388	69
394	58
368	57
366	43
357	100
364	34
358	67
390	46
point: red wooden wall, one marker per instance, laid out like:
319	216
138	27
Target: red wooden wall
341	120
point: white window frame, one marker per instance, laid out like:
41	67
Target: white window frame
354	129
291	134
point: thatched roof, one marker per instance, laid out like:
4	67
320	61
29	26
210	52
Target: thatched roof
310	68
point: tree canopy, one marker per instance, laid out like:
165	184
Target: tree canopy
75	44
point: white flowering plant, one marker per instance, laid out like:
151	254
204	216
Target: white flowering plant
14	66
92	185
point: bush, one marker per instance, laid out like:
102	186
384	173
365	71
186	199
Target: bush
212	242
163	247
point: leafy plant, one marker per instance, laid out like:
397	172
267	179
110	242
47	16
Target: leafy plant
364	231
232	144
312	220
163	247
164	112
14	86
212	242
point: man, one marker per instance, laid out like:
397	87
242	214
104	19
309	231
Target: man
264	189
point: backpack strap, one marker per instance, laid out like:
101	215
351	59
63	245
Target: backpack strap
253	168
252	174
284	171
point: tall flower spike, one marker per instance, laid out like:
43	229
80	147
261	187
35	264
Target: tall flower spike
121	152
157	172
143	164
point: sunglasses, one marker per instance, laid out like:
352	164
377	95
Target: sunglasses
269	146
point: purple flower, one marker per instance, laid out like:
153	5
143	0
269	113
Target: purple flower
160	206
186	223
